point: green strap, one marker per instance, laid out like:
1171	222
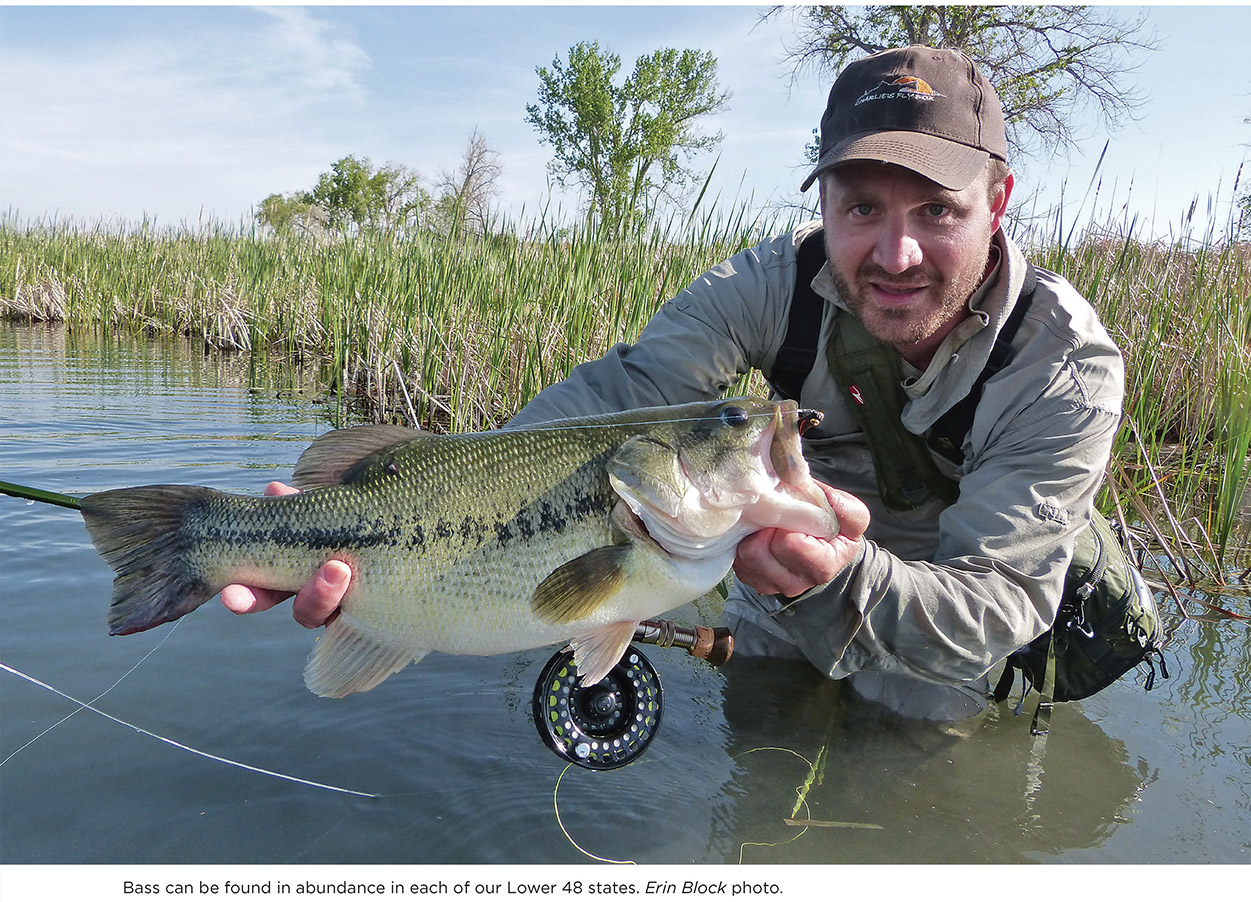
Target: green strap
1006	679
870	372
1042	716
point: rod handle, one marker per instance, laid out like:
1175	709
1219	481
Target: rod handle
712	644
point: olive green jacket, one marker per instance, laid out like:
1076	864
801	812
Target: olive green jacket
943	592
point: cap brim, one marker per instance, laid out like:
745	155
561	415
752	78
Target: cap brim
954	166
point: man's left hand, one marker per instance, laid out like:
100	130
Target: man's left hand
317	602
777	562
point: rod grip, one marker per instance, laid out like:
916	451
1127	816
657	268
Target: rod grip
712	644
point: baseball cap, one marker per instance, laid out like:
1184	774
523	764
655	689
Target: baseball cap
929	110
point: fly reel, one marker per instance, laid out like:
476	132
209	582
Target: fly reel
603	726
611	723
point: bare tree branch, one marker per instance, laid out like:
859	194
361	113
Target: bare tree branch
1049	63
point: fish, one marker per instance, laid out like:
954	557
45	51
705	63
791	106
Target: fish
477	543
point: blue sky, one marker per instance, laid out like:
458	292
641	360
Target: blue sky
184	113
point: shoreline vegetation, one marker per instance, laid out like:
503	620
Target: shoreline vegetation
456	333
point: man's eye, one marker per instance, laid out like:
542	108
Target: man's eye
862	209
936	210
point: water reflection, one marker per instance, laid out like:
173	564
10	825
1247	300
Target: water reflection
899	790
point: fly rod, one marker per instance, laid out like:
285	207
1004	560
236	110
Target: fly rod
30	494
712	644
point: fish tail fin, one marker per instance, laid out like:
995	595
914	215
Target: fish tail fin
137	532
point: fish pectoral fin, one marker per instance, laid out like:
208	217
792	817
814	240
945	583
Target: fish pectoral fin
576	589
594	654
345	660
332	456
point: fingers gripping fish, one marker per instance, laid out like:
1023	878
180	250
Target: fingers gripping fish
481	543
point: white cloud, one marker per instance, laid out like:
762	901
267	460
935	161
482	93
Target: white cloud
307	53
257	92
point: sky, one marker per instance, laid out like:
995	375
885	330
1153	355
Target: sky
184	115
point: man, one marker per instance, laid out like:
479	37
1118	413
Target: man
912	606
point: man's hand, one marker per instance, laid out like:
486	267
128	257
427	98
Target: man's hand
776	562
317	602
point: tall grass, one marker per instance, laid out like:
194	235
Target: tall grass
457	334
1180	309
468	329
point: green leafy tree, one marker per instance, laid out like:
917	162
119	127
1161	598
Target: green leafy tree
355	194
291	213
1046	62
630	144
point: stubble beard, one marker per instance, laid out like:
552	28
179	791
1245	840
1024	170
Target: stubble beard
906	326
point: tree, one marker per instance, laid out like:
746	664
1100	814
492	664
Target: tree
465	195
354	193
1046	62
291	212
626	145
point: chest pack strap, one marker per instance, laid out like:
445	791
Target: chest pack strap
871	374
798	354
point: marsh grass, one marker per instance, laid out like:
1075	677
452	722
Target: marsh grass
474	328
458	334
1180	309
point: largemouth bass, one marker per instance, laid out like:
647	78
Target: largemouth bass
479	543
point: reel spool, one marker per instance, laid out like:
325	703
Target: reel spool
604	726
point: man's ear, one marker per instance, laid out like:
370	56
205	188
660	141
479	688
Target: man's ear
999	205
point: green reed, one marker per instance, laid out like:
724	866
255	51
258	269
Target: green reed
457	333
1180	309
472	327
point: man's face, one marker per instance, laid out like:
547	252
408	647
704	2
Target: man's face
905	252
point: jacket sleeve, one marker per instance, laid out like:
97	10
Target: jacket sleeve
728	321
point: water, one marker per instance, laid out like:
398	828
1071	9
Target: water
448	746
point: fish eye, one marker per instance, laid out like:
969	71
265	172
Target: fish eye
734	416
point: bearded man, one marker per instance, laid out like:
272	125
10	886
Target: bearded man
926	589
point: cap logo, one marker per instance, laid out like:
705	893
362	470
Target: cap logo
900	86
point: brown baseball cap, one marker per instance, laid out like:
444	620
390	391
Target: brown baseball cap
929	110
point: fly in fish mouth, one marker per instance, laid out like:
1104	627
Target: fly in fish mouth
807	418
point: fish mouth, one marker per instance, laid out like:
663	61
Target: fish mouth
630	523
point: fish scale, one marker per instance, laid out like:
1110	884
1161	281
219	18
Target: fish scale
480	543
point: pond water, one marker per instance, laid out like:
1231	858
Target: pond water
448	748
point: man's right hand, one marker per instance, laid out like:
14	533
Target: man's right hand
777	562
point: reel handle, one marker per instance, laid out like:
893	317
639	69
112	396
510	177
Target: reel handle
712	644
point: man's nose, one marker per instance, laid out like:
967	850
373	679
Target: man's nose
897	249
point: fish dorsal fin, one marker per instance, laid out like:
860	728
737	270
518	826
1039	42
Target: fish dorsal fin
332	456
594	654
576	589
345	660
